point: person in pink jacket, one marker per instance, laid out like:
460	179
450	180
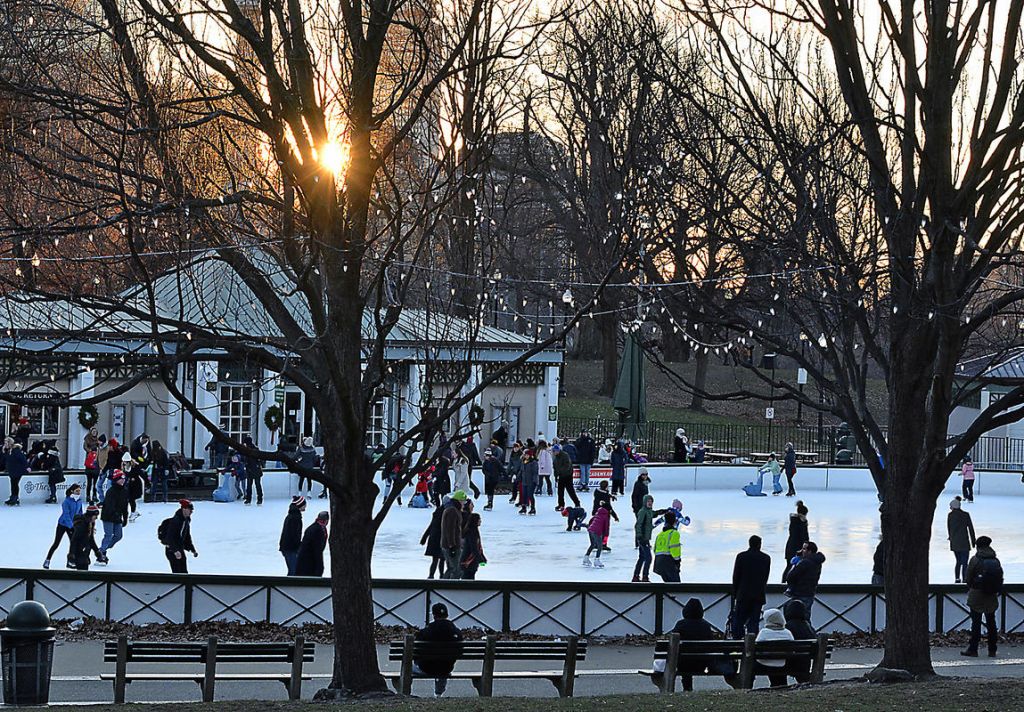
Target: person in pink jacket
967	472
599	528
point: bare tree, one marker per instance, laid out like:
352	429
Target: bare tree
281	151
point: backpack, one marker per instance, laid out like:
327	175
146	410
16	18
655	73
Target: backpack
163	529
989	578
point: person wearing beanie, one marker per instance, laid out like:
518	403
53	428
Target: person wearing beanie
305	455
310	561
798	623
985	582
641	488
439	630
451	536
693	626
70	508
668	551
802	582
574	517
134	482
960	530
176	536
291	533
598	529
798	534
113	515
16	464
432	540
83	539
643	530
967	472
54	472
680	446
586	455
774	629
528	482
563	469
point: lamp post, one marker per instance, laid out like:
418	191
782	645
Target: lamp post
768	361
801	379
566	304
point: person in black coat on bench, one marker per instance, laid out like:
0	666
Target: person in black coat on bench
439	630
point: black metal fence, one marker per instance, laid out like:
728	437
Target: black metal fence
741	439
532	607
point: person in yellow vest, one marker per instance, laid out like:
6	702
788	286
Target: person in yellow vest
667	551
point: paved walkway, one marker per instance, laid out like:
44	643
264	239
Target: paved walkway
77	667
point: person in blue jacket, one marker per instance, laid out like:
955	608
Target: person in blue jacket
17	467
69	509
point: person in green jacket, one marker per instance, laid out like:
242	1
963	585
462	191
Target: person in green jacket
643	530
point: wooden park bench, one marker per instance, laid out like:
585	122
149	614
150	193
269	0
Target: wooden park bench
807	457
122	651
490	651
717	456
742	653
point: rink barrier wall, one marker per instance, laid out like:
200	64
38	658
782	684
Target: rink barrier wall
281	484
540	608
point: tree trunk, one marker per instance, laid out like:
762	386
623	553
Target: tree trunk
608	326
355	652
700	380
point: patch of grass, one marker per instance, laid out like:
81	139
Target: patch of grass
595	407
945	694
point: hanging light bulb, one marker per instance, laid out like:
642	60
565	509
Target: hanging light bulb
822	341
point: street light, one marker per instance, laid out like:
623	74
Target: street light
768	361
566	303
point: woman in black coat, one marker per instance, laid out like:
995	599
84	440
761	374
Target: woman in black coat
432	538
472	547
291	533
798	535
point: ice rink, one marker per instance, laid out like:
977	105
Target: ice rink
235	539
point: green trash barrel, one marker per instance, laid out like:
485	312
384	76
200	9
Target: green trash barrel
26	654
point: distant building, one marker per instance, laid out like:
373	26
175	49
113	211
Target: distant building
987	380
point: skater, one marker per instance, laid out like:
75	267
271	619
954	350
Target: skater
599	529
798	623
586	454
54	473
253	474
878	565
802	581
439	630
105	465
692	626
677	511
432	539
305	455
114	514
176	536
528	486
668	551
681	446
643	530
291	533
619	459
749	579
92	476
985	579
797	535
310	561
161	464
756	489
773	467
83	539
967	472
70	508
789	464
545	467
472	548
139	449
640	489
574	517
451	536
960	529
421	495
603	498
604	453
562	466
236	470
135	484
774	629
515	470
17	467
493	471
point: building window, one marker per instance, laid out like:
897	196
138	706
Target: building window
236	410
43	419
377	423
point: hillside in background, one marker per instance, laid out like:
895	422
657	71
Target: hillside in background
667	401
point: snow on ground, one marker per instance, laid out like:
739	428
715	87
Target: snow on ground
235	539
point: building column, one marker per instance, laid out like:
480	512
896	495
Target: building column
206	399
173	435
82	385
265	399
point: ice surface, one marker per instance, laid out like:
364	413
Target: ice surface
235	539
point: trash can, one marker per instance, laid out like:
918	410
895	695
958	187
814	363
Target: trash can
26	654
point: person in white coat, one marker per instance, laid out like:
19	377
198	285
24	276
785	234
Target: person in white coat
774	629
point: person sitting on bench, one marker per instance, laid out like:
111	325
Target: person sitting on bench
798	624
692	626
440	630
774	629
